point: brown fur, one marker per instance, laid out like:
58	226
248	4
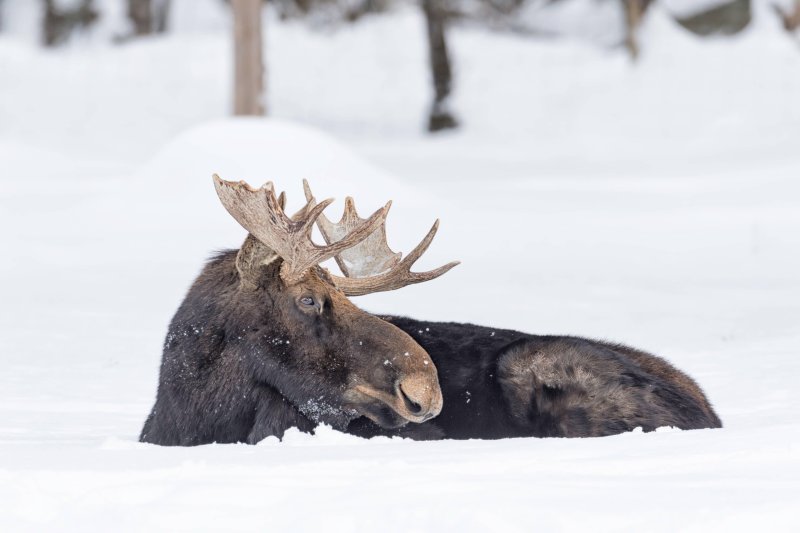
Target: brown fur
246	358
661	368
503	383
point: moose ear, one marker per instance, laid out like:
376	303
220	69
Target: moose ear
252	256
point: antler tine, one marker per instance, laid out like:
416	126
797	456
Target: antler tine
422	247
398	276
261	213
364	230
371	256
311	213
417	252
372	266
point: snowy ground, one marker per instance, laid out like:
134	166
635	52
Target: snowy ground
656	205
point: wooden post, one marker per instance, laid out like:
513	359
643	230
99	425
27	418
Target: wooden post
248	90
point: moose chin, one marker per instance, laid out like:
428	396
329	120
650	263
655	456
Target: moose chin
266	339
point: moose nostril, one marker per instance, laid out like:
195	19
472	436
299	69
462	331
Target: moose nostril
418	397
412	406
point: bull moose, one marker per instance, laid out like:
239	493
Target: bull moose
267	339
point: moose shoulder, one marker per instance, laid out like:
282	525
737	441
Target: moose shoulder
266	339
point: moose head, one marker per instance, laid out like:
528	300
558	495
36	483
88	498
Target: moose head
300	332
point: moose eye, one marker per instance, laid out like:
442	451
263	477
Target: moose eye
307	300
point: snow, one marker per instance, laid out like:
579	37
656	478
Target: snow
656	204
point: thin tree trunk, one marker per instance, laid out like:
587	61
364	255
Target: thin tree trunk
791	18
58	25
248	97
633	18
50	24
147	17
440	117
161	16
140	13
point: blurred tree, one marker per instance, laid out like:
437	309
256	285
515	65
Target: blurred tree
59	22
790	18
439	117
324	12
726	19
634	11
248	90
148	16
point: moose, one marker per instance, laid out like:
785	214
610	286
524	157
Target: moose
267	339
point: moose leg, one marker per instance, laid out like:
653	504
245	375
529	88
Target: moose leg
571	387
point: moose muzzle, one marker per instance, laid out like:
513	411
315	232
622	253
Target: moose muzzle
402	387
421	397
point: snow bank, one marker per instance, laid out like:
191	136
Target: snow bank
657	205
258	150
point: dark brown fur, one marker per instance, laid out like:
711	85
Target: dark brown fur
503	383
243	360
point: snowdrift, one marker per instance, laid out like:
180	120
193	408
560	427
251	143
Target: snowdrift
657	205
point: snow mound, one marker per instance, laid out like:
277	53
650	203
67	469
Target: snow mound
260	150
256	151
324	435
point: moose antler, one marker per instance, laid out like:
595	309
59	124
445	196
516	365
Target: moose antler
370	265
261	213
371	256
